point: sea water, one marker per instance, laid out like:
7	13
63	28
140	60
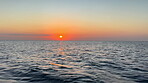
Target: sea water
73	62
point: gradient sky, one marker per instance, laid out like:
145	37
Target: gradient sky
74	19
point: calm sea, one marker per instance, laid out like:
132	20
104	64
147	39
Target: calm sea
73	62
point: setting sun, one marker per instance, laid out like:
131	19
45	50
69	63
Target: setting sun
60	36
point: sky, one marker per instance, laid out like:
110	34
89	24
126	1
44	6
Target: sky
96	20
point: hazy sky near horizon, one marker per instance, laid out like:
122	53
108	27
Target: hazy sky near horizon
74	19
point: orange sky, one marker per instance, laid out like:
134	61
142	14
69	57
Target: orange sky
75	20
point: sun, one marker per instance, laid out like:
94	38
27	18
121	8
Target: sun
60	36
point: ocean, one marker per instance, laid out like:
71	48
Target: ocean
73	62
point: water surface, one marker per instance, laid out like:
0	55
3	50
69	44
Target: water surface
73	62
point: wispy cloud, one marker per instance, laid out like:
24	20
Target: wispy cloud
25	35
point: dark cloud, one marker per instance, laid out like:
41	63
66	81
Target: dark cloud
25	35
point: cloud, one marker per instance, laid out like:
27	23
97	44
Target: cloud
25	35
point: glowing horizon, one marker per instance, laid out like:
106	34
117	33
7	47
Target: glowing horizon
74	19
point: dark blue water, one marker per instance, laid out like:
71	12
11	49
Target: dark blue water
73	62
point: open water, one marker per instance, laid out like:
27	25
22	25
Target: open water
73	62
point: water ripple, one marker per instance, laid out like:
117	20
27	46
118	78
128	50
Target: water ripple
73	62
